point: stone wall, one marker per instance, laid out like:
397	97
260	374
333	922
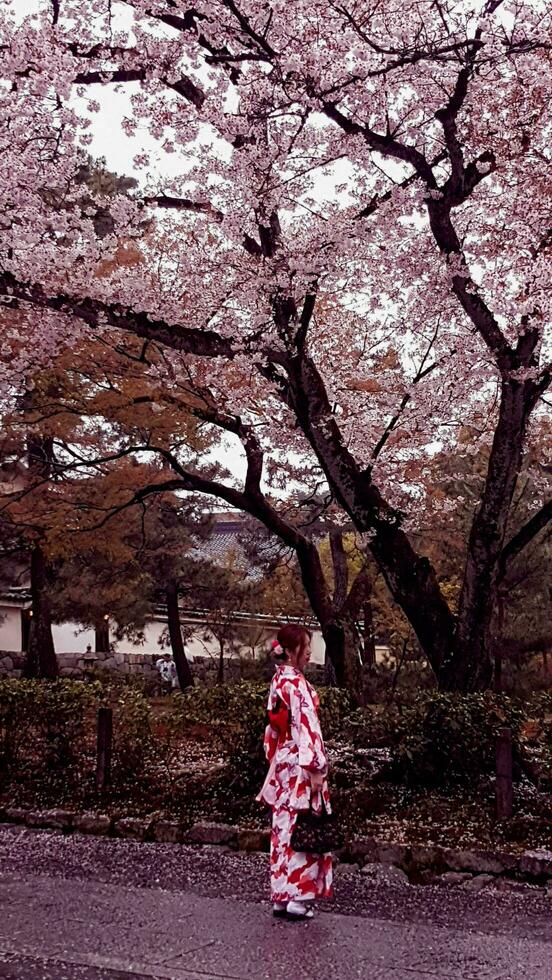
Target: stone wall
204	669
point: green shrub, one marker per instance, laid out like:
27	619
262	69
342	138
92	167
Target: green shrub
375	725
237	712
133	738
222	707
451	738
335	708
43	723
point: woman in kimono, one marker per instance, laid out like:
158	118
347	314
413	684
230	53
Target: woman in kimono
296	778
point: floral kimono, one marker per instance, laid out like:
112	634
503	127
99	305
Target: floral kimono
293	755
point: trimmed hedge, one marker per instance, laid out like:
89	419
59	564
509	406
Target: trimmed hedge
451	738
43	724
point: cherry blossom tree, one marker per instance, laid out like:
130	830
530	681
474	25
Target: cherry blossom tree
351	265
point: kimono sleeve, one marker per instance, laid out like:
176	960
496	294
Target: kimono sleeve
305	729
270	741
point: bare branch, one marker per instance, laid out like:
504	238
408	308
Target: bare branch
524	536
421	373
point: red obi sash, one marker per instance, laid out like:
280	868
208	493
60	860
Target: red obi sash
279	719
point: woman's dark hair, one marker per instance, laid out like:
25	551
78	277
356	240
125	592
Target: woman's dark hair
290	637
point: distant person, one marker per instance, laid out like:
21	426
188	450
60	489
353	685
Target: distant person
173	676
163	665
296	778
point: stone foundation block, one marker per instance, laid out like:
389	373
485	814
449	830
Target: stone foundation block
536	864
15	814
134	828
168	832
453	878
392	853
212	833
360	850
478	883
93	823
254	840
60	819
480	862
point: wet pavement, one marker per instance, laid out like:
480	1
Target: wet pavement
78	908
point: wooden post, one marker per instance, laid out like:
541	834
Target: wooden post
504	788
105	742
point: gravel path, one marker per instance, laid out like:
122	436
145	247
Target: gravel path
214	872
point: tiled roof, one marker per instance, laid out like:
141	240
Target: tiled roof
243	544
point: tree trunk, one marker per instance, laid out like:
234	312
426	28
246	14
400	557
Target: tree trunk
101	636
183	672
40	659
412	582
369	640
470	666
339	631
220	674
410	578
343	645
499	640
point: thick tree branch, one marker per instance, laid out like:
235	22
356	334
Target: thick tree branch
360	589
183	204
248	30
463	285
259	507
96	314
340	569
184	86
170	203
253	449
385	144
536	389
524	536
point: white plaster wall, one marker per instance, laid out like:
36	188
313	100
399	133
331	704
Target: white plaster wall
71	638
10	628
152	635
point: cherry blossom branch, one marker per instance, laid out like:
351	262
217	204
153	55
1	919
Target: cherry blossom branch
187	22
184	86
377	200
199	207
543	383
95	313
385	144
245	24
183	204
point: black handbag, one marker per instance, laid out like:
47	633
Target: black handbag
316	833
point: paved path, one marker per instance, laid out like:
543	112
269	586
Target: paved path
59	923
